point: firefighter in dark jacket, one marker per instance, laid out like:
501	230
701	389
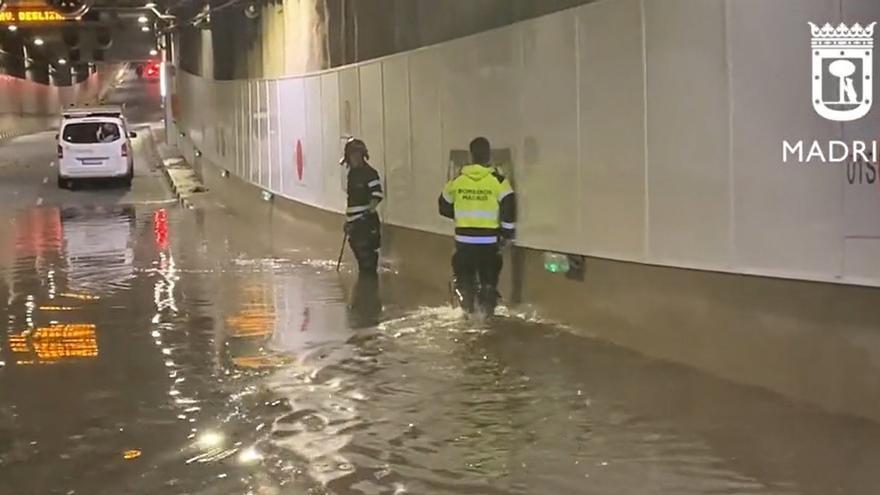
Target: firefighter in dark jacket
364	195
482	204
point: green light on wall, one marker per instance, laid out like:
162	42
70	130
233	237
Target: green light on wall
572	266
556	263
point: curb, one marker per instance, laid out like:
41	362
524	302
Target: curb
180	175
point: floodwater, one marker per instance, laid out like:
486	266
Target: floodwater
154	350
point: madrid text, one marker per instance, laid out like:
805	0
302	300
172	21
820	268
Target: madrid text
860	157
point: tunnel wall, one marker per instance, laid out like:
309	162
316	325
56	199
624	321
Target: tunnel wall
27	106
637	131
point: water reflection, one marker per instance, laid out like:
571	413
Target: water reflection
97	248
366	302
55	343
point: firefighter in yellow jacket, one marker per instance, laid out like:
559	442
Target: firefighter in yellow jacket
483	206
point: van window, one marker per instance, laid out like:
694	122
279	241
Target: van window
91	132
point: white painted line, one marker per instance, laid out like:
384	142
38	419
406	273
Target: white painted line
51	164
45	180
39	201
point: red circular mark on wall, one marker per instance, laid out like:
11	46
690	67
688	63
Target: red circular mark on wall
299	160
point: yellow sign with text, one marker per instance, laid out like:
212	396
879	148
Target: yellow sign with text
31	16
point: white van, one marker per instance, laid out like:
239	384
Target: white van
94	146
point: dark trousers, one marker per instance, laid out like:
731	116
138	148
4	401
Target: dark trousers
477	268
364	238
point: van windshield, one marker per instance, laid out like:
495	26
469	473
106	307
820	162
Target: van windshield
91	132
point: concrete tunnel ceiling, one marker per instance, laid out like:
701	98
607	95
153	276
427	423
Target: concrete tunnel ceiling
261	38
109	31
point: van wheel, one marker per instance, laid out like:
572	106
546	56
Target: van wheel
66	183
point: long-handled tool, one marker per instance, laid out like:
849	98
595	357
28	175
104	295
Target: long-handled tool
342	250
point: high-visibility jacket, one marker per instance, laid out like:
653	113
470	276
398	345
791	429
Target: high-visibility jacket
482	204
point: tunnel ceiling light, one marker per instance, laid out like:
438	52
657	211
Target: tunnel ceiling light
13	28
62	61
39	41
145	29
143	19
150	5
154	52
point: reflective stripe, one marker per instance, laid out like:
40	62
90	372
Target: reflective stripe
489	215
357	209
374	182
468	239
447	198
508	225
352	218
505	194
378	194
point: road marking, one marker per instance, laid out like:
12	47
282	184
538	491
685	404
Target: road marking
156	202
45	180
51	164
39	201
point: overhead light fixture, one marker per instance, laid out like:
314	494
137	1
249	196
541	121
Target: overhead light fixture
251	11
62	61
145	29
154	52
150	5
143	19
13	28
39	41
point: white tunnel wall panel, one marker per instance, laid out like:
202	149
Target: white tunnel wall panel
550	213
6	94
333	197
315	166
29	102
861	264
65	95
52	101
373	118
688	133
237	127
211	115
349	102
244	130
263	119
292	134
256	168
789	217
430	161
228	124
245	117
612	127
398	177
272	143
480	90
637	130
